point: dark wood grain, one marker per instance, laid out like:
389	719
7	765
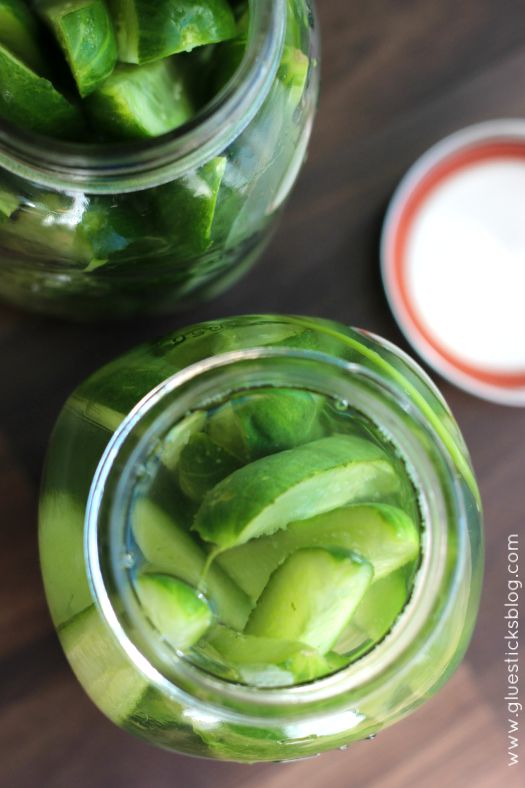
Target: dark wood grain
397	77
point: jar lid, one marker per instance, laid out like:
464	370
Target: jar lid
453	259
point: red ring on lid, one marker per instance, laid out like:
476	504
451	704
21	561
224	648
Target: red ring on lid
503	140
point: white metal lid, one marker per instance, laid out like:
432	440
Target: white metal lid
453	259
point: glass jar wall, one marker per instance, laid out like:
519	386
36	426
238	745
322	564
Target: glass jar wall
90	231
100	455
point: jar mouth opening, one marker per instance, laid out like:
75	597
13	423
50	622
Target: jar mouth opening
111	493
101	166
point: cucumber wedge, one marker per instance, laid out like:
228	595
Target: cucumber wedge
178	437
140	101
376	614
186	208
203	464
84	30
113	683
266	495
19	33
383	534
168	547
265	662
149	31
267	422
61	537
9	203
175	609
311	597
32	102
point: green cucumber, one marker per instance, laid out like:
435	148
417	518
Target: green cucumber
140	101
264	662
186	208
148	31
175	609
32	102
383	534
376	614
311	597
84	30
61	537
178	437
266	495
9	203
103	669
169	548
203	464
267	422
20	35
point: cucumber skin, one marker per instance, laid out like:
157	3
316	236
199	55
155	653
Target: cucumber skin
86	36
147	32
240	507
176	610
34	104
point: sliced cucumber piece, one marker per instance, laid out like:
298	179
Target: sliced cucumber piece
61	538
19	33
203	464
267	422
175	609
266	495
383	534
150	31
311	597
264	662
32	102
9	203
140	101
178	437
84	30
376	614
169	548
186	207
112	682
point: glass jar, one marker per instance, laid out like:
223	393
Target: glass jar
93	231
97	457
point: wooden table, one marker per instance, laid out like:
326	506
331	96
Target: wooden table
397	77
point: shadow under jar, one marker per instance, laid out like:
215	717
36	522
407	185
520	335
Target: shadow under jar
126	501
94	231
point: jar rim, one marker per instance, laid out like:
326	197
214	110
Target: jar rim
192	682
120	167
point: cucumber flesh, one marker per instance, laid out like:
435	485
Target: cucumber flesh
311	597
376	614
264	662
9	203
265	495
169	548
136	102
32	102
203	464
148	31
84	30
112	682
19	34
386	536
175	609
